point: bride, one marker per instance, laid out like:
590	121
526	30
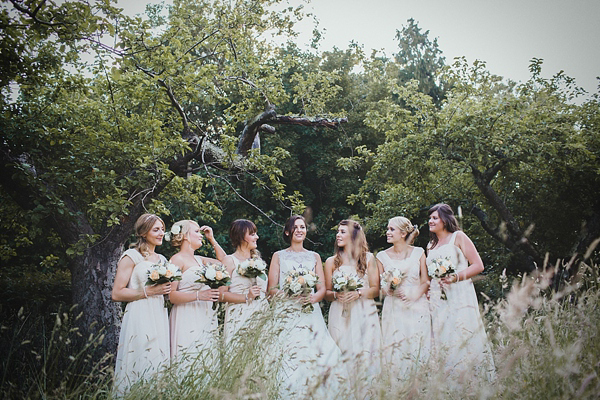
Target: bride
312	359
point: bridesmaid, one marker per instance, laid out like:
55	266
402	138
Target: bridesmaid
194	326
405	318
358	333
311	362
144	339
244	296
459	335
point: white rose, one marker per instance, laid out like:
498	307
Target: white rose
210	273
162	270
295	287
175	229
310	279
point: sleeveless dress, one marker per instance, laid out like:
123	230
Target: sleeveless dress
459	337
237	315
406	326
194	327
144	338
358	335
311	361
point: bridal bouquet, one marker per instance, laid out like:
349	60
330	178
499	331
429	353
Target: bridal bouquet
163	272
300	281
439	268
346	282
252	268
392	279
213	276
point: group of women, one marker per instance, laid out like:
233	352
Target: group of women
423	320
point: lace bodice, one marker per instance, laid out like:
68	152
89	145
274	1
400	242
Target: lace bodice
452	251
409	266
293	259
139	276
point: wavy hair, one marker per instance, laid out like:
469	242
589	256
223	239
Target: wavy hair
186	227
142	226
447	216
359	246
290	227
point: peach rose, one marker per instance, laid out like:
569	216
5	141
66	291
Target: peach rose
395	280
301	280
219	275
169	274
154	275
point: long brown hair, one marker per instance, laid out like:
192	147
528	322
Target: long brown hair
290	227
447	216
359	246
237	233
142	226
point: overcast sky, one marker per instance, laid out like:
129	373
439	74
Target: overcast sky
506	34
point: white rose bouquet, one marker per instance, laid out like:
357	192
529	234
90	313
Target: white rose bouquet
252	268
300	281
163	272
346	282
213	276
392	279
439	268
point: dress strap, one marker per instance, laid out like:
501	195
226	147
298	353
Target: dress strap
135	255
451	241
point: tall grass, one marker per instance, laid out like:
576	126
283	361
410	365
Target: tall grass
546	344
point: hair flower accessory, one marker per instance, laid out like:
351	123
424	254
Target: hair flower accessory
176	229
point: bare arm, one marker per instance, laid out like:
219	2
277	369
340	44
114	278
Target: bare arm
121	292
373	276
273	281
208	233
330	295
321	285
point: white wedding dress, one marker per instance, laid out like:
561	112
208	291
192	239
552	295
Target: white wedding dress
194	327
144	339
311	363
460	341
406	324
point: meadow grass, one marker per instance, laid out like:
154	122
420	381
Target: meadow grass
546	344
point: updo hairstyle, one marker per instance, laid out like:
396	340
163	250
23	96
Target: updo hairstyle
185	226
403	224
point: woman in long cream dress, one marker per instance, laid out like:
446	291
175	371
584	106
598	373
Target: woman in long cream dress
459	335
143	347
353	318
311	362
405	318
193	322
245	296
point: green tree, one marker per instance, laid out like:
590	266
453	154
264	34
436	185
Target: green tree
509	155
86	154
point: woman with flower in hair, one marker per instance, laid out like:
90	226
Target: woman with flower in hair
194	326
459	336
308	349
405	318
353	318
247	294
144	339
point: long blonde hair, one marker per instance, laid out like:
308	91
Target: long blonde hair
359	247
142	226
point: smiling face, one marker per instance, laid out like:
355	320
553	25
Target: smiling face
250	239
436	225
394	234
194	236
299	232
155	235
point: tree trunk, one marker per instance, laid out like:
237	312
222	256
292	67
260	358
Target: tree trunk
93	275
